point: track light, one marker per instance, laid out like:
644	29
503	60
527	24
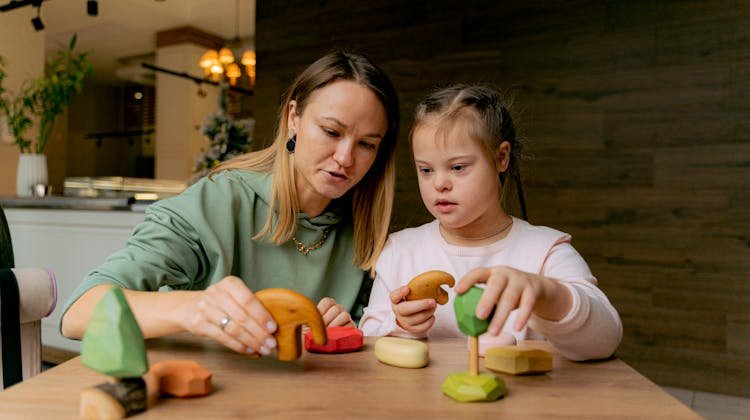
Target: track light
92	8
37	21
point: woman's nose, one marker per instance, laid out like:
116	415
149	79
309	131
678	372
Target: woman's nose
343	155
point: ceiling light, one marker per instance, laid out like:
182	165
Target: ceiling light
223	62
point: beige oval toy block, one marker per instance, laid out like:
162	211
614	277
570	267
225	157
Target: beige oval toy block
517	361
402	352
427	286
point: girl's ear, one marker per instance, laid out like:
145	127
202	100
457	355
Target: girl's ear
502	156
293	117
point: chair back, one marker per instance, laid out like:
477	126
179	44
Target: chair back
26	296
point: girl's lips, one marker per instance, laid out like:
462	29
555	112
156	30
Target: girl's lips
444	206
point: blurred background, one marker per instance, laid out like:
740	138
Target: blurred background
635	115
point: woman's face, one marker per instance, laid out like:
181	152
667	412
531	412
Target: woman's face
338	136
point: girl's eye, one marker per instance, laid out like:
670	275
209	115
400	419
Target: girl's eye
424	170
458	168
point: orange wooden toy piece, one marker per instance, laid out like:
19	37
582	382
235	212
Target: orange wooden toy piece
427	286
178	378
291	310
341	339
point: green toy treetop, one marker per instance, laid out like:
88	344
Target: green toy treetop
465	306
113	343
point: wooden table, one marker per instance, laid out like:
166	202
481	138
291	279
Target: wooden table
356	385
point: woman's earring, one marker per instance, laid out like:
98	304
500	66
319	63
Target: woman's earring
291	143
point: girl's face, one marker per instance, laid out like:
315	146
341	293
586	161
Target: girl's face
338	136
458	183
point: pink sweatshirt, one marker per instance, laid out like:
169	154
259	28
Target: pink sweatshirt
592	329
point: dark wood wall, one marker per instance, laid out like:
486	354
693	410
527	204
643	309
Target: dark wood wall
637	115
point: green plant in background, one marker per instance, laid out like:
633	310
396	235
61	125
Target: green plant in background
43	99
228	137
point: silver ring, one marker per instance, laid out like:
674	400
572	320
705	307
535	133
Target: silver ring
224	321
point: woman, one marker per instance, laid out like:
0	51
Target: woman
309	213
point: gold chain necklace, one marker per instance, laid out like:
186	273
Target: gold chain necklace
304	250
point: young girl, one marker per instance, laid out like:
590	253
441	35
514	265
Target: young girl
467	159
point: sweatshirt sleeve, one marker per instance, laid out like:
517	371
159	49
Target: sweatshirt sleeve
378	318
592	329
164	250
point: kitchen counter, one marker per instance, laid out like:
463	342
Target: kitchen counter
70	203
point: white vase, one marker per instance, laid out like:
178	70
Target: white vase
32	170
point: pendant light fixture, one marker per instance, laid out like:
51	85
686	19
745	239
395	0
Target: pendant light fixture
217	63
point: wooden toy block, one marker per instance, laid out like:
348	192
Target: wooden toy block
342	339
113	342
427	286
291	310
402	352
465	387
517	361
179	378
464	306
114	400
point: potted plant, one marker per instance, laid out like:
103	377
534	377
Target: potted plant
40	101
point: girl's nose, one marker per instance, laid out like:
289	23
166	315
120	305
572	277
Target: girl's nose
343	155
441	181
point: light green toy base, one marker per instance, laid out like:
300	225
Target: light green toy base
465	387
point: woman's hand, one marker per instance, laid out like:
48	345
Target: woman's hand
508	289
334	315
413	316
229	313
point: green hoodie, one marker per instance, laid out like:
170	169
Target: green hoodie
197	238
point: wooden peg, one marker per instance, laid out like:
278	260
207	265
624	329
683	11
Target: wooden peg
427	286
291	310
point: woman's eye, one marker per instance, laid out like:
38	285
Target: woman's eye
368	145
330	133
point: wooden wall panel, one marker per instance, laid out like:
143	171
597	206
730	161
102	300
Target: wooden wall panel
638	138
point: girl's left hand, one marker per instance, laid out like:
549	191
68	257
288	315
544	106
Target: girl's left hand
508	289
334	315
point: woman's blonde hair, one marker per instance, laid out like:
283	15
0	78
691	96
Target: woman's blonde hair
371	198
487	119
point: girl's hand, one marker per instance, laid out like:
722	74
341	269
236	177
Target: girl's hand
229	313
334	315
413	316
508	289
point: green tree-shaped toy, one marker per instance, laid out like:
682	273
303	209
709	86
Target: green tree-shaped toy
472	386
113	343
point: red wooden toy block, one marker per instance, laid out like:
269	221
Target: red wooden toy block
340	340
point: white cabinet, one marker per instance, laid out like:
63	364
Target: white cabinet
70	243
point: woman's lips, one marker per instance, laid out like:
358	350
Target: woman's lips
336	176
